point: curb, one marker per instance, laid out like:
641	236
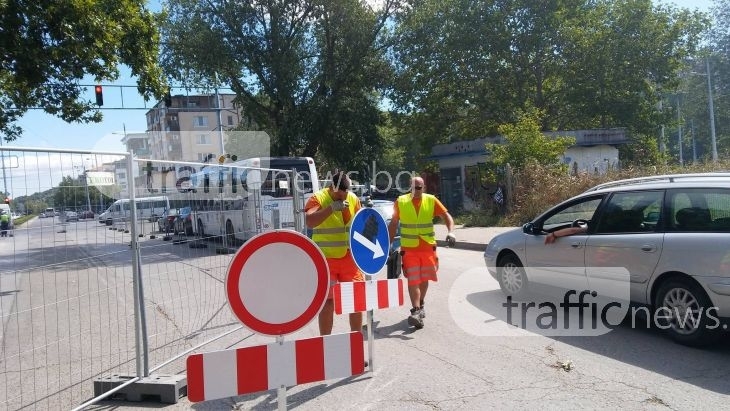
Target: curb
462	245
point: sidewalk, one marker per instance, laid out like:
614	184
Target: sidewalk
469	238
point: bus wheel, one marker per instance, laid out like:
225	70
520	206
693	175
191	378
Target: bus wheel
230	237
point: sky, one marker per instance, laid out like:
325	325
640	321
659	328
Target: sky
46	131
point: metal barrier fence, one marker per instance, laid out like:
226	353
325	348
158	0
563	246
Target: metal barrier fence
96	303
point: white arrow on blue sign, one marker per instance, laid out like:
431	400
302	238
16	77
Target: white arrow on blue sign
369	241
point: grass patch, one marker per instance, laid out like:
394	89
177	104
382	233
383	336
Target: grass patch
477	218
23	219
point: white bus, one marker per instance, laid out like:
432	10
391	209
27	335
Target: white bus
261	201
149	208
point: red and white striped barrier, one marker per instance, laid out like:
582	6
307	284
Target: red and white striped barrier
228	373
360	296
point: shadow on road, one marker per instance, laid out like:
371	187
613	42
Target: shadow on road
639	345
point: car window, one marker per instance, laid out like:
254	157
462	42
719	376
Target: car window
582	210
700	210
632	212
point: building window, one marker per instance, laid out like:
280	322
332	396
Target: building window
191	104
203	156
200	121
202	139
230	120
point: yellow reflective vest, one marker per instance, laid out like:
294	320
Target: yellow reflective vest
416	225
333	235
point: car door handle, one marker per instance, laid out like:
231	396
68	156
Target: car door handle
649	248
576	245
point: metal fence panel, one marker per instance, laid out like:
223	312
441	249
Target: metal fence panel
67	295
67	313
216	211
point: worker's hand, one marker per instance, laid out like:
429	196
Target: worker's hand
450	239
339	205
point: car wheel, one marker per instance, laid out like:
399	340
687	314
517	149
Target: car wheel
188	228
201	229
109	222
684	311
394	265
512	277
230	236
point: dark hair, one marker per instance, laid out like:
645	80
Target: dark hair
340	181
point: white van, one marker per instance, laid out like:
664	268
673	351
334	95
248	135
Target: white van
149	208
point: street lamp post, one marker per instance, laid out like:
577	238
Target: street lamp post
86	186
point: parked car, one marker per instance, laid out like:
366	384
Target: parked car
184	221
71	215
385	209
86	214
670	233
166	222
176	220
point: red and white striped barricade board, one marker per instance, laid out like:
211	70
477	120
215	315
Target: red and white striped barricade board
221	374
361	296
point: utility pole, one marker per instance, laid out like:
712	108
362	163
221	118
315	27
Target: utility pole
219	108
711	107
694	141
679	131
5	181
661	135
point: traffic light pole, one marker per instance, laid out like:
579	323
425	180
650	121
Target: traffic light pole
5	181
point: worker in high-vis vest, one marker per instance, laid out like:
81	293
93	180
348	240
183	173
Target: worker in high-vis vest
415	212
329	213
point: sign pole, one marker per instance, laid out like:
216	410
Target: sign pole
370	340
281	392
370	245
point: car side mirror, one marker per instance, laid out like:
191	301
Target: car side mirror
531	228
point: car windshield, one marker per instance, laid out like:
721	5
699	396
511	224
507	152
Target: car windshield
384	209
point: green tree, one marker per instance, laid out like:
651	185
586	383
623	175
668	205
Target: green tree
464	68
308	73
620	57
71	193
525	143
47	46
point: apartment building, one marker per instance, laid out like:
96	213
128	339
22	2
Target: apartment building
187	128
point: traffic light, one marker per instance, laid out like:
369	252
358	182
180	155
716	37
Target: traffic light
7	200
222	158
99	95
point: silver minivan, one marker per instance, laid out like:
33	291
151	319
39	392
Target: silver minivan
671	235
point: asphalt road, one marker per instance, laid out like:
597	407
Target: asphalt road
450	364
465	358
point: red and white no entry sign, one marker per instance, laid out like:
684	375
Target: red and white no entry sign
277	282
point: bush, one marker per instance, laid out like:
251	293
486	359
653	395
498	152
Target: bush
537	187
477	218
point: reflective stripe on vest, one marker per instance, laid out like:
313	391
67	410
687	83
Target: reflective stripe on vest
333	235
416	225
